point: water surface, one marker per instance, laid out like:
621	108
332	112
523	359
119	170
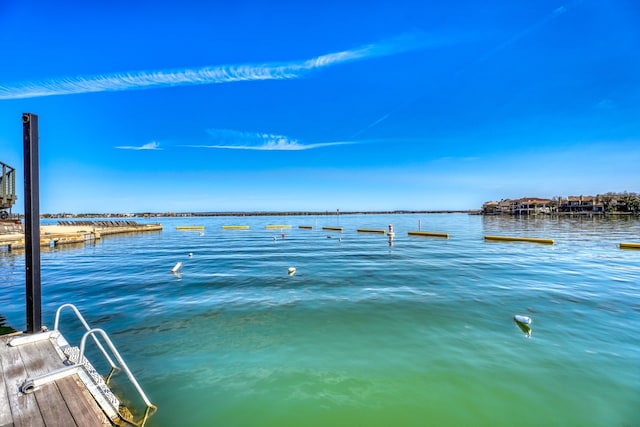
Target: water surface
364	333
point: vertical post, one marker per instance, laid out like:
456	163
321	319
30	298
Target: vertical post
32	223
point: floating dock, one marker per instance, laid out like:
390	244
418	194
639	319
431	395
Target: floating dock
48	382
271	226
77	232
629	245
64	402
235	227
306	227
371	230
519	239
428	234
340	229
190	227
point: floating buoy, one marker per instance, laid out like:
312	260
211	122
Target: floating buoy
523	323
176	267
190	254
522	319
291	271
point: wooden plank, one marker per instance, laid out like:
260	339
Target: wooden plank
24	407
81	403
6	419
40	358
53	407
65	402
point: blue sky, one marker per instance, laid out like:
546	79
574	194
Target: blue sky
318	106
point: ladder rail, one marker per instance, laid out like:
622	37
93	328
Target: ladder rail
86	327
115	352
94	333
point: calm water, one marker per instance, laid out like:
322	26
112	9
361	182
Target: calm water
415	334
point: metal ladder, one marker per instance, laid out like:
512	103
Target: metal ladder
76	360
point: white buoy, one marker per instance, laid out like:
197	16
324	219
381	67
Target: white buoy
526	320
291	271
190	254
176	267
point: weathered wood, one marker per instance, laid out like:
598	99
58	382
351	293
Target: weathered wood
40	358
5	411
83	407
53	408
63	402
24	407
89	413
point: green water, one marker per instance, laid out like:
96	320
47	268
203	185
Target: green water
419	333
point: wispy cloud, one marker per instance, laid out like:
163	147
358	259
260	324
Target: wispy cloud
557	12
149	146
236	140
137	80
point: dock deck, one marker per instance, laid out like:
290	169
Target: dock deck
63	402
72	232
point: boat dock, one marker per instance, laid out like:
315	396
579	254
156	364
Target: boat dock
63	402
70	232
45	381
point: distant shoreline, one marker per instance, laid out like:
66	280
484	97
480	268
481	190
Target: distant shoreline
254	213
309	213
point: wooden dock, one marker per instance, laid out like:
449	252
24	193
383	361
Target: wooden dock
77	232
65	401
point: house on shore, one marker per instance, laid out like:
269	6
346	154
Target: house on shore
524	206
625	203
581	204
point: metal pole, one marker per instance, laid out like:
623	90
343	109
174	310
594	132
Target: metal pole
32	223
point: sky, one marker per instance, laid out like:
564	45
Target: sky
198	106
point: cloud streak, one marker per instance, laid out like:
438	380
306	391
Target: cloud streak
139	80
149	146
227	139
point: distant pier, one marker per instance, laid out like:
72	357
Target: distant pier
72	232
